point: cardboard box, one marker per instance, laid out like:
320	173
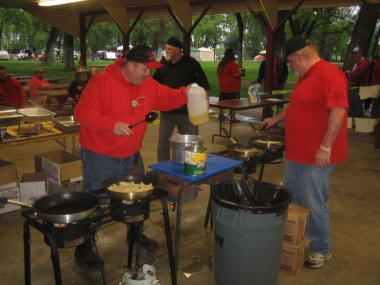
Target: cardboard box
68	187
10	193
292	258
8	174
296	224
33	186
61	167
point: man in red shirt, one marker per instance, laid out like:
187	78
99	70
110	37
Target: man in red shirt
12	93
358	76
38	83
315	138
113	100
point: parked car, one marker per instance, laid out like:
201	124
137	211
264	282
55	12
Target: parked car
100	54
25	54
109	55
76	55
4	55
118	53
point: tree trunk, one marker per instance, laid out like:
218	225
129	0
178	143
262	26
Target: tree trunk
240	40
361	35
68	52
50	45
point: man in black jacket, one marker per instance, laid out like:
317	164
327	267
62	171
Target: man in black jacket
280	73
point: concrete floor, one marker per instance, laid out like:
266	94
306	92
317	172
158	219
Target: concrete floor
354	206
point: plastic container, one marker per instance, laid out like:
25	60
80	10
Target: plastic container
197	105
253	93
248	239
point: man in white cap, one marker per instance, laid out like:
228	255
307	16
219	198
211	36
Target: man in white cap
316	138
357	77
178	70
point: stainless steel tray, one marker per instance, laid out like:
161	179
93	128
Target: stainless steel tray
35	115
9	118
67	124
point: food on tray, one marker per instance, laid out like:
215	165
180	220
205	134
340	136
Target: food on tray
252	149
267	141
130	187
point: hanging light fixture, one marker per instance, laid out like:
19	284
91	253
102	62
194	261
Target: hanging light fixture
57	2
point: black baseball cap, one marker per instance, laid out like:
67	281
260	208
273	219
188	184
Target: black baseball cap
295	44
143	54
174	42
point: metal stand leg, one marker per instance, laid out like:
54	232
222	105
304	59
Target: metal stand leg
209	214
131	234
169	242
261	170
27	254
178	226
98	257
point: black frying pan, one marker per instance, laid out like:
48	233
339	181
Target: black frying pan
63	207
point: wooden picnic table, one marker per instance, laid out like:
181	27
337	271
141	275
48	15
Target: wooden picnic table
20	77
50	80
56	86
13	74
60	95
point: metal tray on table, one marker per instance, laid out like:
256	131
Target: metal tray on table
9	117
36	115
67	124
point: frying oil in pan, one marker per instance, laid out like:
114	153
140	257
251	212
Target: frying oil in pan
66	209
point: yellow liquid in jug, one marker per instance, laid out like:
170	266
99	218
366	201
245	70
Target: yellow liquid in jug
199	120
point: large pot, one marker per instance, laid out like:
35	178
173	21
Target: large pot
64	207
178	144
131	196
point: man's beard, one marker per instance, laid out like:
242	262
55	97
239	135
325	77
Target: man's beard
168	57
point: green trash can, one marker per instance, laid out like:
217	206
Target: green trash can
248	239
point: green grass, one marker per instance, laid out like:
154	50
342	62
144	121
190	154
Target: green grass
55	70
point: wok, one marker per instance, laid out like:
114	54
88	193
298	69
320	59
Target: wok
63	207
268	141
131	196
241	150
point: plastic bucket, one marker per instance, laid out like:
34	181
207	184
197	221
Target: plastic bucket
248	240
178	144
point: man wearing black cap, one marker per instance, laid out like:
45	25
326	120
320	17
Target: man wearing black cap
179	70
121	95
316	138
358	76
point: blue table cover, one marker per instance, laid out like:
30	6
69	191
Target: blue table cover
215	164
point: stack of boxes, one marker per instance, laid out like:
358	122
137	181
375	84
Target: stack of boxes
56	171
8	185
295	239
63	169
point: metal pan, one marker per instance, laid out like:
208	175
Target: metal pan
64	207
267	141
131	196
241	150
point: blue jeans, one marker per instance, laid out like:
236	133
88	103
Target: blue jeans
309	186
98	167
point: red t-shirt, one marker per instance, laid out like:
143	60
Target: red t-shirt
12	93
35	86
323	86
227	81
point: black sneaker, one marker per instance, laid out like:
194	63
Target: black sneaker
85	255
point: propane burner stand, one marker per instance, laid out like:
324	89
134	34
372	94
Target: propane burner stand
56	237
